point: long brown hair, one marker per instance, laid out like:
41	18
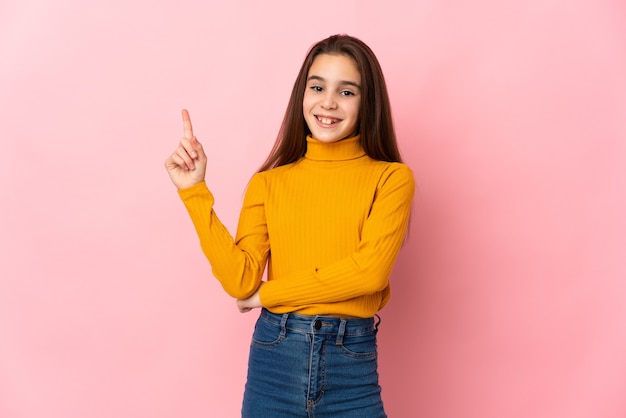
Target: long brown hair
377	134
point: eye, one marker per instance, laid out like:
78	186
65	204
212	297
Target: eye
316	89
346	93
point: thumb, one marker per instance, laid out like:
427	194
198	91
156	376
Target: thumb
197	146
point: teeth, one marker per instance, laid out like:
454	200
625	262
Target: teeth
327	121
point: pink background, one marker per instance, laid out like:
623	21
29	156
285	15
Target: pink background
509	299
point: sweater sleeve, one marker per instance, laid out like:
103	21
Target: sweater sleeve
237	264
367	270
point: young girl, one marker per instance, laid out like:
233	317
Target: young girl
327	213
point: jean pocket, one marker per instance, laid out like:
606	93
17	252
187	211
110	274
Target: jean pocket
359	346
266	334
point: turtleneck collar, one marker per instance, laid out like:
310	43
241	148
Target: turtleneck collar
346	149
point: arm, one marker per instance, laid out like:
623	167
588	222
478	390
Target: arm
238	265
367	270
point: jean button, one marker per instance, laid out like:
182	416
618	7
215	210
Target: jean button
317	325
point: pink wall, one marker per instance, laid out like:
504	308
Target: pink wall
509	299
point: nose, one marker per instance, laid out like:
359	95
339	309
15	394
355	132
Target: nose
328	101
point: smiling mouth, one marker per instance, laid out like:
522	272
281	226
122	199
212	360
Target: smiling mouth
327	121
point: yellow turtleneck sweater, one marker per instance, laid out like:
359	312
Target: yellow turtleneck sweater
328	226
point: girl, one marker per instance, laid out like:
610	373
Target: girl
327	213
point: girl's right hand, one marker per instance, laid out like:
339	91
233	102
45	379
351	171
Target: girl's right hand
187	164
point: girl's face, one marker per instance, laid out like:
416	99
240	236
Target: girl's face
332	98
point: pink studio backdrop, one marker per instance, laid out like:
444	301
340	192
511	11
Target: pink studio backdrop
509	299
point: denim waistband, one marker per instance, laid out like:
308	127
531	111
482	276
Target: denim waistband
320	324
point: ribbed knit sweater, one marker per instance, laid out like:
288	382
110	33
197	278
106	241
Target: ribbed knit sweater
328	226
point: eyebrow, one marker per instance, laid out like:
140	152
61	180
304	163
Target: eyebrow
342	82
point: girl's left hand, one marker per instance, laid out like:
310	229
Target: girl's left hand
252	302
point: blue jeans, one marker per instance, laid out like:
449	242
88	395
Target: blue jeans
312	366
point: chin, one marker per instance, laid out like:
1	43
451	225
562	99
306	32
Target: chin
329	139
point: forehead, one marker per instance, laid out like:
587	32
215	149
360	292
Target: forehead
333	67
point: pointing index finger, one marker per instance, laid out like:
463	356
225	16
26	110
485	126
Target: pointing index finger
187	125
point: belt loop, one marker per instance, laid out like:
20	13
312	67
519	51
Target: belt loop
341	331
377	324
283	325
